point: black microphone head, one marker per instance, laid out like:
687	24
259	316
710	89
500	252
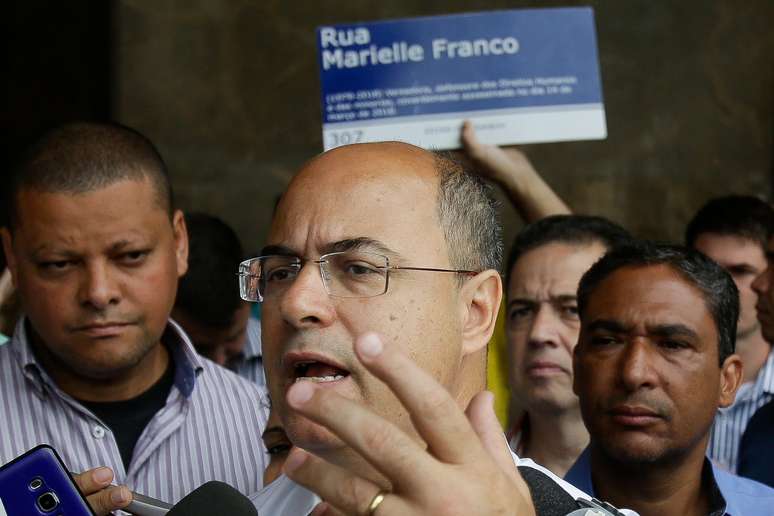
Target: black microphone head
213	499
548	497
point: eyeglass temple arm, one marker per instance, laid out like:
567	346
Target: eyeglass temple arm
458	271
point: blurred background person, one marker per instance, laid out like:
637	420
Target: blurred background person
277	446
208	305
734	231
756	451
9	306
544	267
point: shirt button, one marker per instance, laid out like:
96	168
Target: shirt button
98	432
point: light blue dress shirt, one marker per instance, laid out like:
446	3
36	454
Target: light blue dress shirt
738	496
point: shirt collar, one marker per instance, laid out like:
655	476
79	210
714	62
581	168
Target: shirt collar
188	364
764	382
579	475
717	502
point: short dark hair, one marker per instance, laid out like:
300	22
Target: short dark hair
467	213
566	229
713	281
84	156
741	215
209	291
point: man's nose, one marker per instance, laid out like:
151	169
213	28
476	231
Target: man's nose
544	328
99	286
636	370
306	302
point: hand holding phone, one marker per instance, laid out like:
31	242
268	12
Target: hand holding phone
38	483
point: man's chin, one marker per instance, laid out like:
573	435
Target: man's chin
636	451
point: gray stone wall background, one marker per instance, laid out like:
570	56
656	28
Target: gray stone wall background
229	92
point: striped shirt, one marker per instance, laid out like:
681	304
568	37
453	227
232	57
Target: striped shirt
730	423
249	364
209	429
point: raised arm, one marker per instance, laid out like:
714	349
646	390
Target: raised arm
513	172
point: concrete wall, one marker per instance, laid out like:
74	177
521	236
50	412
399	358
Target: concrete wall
229	92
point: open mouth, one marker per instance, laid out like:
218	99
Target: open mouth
317	371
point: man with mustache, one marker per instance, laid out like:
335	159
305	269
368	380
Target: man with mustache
654	362
95	367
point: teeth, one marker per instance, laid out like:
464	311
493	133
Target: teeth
320	379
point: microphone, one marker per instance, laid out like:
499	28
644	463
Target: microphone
206	500
550	499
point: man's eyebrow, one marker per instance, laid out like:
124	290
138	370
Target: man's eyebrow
560	299
522	301
46	248
671	330
115	247
122	244
607	325
348	244
740	268
359	244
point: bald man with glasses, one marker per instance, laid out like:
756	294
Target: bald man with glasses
380	291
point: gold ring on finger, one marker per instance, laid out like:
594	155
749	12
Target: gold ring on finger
376	502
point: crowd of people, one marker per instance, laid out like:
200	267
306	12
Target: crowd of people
641	373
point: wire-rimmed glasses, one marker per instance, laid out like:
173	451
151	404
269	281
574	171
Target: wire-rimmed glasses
345	274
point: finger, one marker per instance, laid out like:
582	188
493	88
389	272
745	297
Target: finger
345	492
109	499
101	496
325	509
469	139
383	445
482	418
93	480
435	414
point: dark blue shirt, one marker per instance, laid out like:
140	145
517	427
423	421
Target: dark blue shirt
729	494
756	453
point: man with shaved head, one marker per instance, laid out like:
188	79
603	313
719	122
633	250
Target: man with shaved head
95	367
380	292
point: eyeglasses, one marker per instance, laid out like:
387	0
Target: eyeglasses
347	274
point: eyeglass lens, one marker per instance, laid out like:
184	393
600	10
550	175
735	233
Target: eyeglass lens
344	274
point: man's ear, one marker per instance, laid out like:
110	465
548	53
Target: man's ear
181	242
480	298
730	380
10	257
